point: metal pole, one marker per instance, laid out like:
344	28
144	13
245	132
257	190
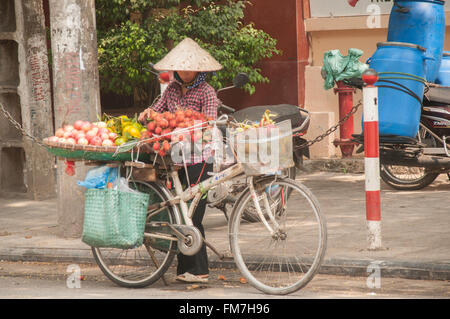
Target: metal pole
372	160
345	94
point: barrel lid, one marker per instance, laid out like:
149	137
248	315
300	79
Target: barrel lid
401	44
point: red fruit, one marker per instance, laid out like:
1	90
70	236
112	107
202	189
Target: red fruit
180	137
158	130
151	126
78	125
180	118
166	146
188	113
182	125
167	134
172	123
164	123
153	114
156	146
161	153
96	141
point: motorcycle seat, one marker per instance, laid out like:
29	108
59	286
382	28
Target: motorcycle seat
282	112
440	94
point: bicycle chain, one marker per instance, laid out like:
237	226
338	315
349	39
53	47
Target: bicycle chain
319	138
19	127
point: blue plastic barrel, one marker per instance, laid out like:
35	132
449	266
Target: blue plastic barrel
401	66
443	77
420	22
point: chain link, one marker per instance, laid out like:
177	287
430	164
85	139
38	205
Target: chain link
319	138
18	126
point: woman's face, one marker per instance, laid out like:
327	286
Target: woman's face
187	76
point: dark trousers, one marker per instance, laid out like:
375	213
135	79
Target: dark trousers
198	263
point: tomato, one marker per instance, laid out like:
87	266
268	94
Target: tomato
158	130
156	146
188	113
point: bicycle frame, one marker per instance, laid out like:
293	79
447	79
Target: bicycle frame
196	192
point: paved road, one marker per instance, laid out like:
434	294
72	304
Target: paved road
22	280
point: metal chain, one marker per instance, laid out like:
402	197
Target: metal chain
18	126
307	144
331	129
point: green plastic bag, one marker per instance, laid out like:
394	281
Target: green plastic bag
337	67
114	219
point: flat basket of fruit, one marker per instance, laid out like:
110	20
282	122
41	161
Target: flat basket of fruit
99	141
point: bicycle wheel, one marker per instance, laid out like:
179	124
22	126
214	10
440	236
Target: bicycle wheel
144	265
285	260
250	214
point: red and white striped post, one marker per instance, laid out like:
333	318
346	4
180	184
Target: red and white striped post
372	159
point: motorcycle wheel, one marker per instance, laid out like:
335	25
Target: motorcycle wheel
406	178
410	178
250	215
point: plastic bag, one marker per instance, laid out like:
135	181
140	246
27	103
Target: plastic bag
123	186
337	67
99	176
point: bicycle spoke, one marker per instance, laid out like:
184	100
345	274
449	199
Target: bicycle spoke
286	259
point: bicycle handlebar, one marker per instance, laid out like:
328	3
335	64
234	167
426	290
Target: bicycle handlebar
227	108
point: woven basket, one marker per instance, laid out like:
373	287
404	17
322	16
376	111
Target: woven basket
90	152
114	218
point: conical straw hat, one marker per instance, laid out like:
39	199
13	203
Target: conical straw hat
188	56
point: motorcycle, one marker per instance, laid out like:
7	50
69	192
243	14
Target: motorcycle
414	163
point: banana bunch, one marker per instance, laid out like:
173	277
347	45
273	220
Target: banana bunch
265	120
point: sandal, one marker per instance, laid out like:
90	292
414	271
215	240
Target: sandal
188	277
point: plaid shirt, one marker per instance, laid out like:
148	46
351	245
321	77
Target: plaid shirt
202	98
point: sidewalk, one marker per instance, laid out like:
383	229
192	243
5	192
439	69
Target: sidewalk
415	229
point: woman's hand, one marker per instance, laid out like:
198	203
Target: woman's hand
144	115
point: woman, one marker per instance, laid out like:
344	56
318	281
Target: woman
190	64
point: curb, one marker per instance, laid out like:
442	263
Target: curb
342	267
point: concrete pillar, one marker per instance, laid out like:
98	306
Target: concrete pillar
35	96
26	169
76	94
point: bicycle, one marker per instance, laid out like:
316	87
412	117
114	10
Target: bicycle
277	254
